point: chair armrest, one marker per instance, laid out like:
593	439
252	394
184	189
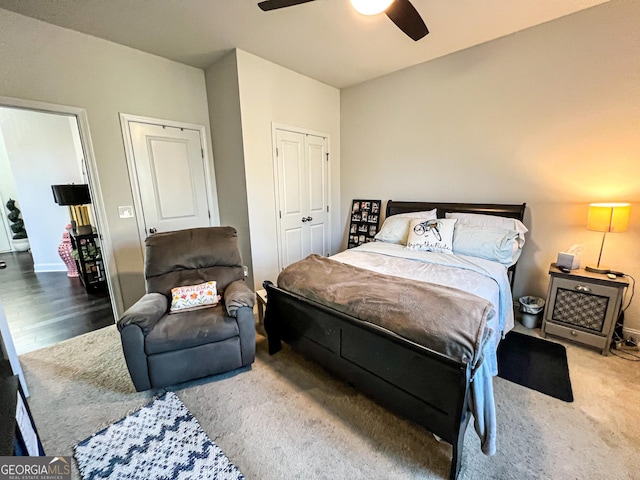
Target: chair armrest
132	339
247	328
236	295
145	312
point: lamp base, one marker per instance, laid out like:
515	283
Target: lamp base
597	270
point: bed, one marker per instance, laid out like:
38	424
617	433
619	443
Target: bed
410	373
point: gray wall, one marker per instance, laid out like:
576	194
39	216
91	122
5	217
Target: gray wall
46	63
547	116
271	94
247	96
224	111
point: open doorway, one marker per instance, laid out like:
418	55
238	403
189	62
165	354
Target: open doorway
44	300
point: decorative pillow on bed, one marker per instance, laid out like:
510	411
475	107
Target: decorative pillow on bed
395	228
493	244
431	235
194	297
492	221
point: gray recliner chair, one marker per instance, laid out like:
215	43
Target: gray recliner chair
163	348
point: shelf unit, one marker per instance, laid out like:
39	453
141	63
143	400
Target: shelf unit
89	260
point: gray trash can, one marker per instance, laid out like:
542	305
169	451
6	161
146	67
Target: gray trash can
530	307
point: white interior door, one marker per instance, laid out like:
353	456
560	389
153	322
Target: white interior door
171	177
303	194
317	163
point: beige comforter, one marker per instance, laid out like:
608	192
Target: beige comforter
441	318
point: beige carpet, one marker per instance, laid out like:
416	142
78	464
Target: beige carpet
287	418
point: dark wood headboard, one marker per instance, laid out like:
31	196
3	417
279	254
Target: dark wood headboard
498	209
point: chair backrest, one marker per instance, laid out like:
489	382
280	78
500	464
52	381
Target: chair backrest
190	257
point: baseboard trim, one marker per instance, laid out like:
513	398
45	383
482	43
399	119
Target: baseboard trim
49	267
631	332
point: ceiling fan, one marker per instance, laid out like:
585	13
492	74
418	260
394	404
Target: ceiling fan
401	12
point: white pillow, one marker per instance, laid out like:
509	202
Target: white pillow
490	243
492	221
426	215
395	228
431	235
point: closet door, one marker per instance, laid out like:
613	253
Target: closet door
303	204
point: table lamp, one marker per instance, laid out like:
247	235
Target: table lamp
75	197
607	217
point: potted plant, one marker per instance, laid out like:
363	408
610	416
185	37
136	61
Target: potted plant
19	237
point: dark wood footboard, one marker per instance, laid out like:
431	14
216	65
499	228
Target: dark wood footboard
420	384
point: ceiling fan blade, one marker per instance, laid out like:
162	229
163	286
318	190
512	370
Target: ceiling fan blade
407	18
275	4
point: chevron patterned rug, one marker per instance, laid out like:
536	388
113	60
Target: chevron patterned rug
162	440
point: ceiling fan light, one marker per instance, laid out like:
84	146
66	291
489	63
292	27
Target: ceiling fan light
371	7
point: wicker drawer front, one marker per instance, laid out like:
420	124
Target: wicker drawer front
580	309
586	306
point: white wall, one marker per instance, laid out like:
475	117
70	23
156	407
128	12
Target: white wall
547	116
270	94
41	152
7	191
47	63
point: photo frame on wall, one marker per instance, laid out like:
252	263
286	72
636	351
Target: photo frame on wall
365	221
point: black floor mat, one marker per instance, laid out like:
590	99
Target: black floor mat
535	363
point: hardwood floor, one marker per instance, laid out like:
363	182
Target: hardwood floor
46	308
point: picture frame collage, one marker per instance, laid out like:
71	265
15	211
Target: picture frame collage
365	221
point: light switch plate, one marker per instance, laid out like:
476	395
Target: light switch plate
126	212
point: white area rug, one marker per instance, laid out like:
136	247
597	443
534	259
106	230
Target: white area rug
162	440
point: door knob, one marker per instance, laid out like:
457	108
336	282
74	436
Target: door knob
307	219
152	231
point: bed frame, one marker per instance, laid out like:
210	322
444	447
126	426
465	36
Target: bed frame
397	373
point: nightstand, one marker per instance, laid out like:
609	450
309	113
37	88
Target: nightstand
583	307
261	297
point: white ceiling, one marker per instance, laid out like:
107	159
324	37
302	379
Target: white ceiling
325	39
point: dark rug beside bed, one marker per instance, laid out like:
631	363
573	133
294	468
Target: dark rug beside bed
535	363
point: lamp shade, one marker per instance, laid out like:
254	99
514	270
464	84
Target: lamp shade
608	217
71	194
